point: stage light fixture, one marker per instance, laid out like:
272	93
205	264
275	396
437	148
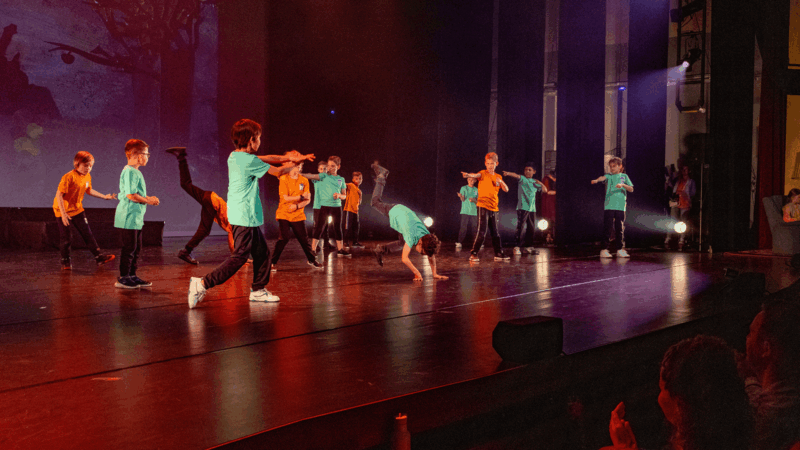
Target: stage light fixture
542	224
428	222
622	88
691	57
680	227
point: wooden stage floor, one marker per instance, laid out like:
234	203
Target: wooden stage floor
86	365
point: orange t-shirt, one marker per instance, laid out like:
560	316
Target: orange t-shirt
221	208
292	188
353	200
488	187
73	185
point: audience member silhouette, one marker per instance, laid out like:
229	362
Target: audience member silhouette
702	397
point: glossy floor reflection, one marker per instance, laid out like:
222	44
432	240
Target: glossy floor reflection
88	365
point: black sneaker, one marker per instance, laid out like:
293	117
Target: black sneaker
186	256
140	282
180	152
102	259
315	264
357	245
473	257
500	256
126	283
343	252
66	264
379	171
379	251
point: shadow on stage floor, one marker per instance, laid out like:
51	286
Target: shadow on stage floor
86	365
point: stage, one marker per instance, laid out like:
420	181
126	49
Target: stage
86	365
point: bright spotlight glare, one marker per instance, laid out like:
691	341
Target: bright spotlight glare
542	224
685	64
330	219
428	221
680	227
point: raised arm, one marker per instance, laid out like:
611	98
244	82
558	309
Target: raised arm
541	185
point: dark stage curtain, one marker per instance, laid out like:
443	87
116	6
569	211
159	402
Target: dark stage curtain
580	134
520	84
731	124
772	33
647	112
462	42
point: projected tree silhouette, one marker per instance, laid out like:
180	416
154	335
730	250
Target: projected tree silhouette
155	43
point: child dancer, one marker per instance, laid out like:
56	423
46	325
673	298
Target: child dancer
351	206
469	211
294	195
322	167
404	221
526	206
332	191
129	216
618	185
214	208
245	213
489	184
68	207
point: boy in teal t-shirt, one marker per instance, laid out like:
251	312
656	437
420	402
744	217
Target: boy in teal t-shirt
129	216
618	185
322	166
405	221
526	206
245	213
331	190
469	210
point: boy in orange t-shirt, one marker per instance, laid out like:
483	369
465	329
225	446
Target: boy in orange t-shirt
489	184
351	205
295	194
68	207
214	208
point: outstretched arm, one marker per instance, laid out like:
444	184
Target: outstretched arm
292	156
510	174
94	193
436	276
599	179
477	176
409	264
311	176
283	169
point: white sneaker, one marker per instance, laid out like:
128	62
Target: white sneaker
622	254
517	251
263	295
605	254
274	268
458	246
196	291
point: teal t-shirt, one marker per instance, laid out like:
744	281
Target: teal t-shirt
526	194
316	193
406	222
327	186
129	214
616	198
469	208
244	202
